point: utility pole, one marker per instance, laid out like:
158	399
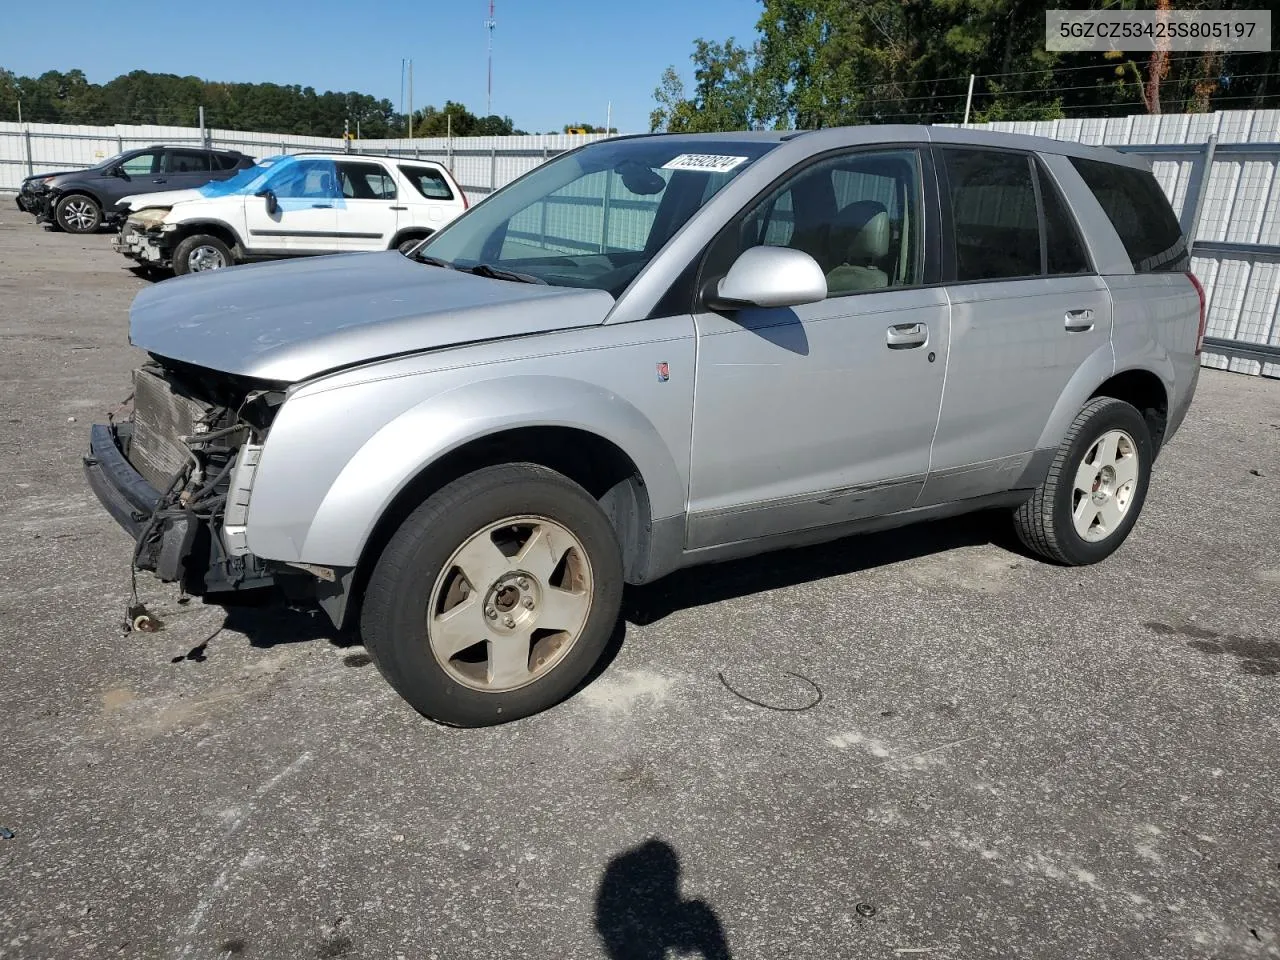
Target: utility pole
490	25
968	101
19	110
608	119
410	99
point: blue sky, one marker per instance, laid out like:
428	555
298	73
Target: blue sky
555	61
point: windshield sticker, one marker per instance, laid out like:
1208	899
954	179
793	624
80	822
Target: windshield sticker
708	162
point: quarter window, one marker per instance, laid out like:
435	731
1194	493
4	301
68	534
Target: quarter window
993	211
430	183
1137	208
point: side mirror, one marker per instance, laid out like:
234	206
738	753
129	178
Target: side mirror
769	277
272	203
118	172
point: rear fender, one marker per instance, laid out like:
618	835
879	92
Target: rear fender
1096	370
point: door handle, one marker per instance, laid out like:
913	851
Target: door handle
903	336
159	180
1078	321
399	208
322	206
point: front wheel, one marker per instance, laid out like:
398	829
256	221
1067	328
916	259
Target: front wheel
198	253
495	597
78	214
1095	489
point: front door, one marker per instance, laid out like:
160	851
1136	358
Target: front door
823	413
305	219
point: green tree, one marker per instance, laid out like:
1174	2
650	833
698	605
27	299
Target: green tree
826	62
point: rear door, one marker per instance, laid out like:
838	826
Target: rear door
368	211
1027	312
186	169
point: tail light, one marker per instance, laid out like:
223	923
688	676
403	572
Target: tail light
1204	316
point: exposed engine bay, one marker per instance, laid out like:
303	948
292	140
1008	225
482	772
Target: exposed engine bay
194	435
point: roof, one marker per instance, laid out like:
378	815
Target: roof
339	155
868	134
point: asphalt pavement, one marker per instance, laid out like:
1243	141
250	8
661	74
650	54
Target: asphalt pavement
921	743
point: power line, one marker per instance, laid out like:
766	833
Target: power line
1053	90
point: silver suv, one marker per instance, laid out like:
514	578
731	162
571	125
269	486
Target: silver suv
650	353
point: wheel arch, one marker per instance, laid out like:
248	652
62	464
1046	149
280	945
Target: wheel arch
214	228
595	463
409	233
81	191
1147	393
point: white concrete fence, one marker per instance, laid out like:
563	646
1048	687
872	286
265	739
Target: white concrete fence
1221	172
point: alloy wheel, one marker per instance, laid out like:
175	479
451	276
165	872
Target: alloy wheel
510	604
1105	483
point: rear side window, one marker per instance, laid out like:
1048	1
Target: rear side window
365	181
225	161
430	183
993	210
1063	249
1137	208
186	161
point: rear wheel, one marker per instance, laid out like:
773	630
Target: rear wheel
1095	489
201	252
496	597
77	213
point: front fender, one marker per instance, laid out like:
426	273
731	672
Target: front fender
335	460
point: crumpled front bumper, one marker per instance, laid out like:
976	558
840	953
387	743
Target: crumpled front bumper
126	494
140	246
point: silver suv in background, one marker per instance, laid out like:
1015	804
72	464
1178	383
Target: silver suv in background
650	353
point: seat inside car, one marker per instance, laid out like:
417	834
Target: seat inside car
858	244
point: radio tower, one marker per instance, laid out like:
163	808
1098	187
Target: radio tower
490	25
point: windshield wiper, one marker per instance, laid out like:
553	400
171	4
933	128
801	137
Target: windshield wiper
432	261
497	273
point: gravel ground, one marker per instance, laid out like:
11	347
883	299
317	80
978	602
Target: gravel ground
1009	759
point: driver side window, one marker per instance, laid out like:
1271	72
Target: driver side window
306	180
142	165
857	215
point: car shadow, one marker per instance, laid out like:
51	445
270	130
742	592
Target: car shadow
640	913
268	620
698	586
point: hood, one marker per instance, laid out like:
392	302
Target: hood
295	319
162	198
37	177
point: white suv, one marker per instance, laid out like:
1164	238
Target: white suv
291	206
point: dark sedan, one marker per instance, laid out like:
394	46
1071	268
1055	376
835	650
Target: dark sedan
81	201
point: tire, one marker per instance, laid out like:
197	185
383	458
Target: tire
1095	489
200	252
520	631
406	245
78	213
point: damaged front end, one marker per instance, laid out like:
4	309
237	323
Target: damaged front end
142	237
177	472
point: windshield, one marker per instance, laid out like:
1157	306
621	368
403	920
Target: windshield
245	181
594	218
